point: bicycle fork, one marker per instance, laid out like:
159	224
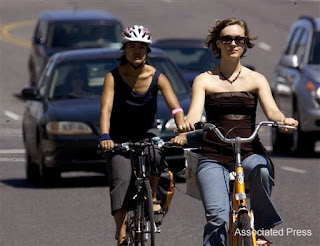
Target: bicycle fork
239	201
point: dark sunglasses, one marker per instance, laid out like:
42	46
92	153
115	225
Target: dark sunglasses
229	39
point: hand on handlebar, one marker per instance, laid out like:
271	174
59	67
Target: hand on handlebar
290	122
180	139
107	144
186	127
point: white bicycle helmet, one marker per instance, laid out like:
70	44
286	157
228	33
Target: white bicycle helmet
136	33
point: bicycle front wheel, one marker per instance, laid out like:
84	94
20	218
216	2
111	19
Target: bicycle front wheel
147	218
244	226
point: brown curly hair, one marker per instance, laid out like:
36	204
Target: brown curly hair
214	35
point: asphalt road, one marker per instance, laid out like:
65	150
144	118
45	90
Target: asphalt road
78	211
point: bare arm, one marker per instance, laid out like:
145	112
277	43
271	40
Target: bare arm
268	104
197	102
106	108
170	98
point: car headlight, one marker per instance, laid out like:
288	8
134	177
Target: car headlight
171	124
68	128
318	93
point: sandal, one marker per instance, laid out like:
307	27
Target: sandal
156	202
262	241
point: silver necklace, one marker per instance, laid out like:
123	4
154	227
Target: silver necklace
230	81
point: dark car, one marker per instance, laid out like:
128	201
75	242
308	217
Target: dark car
70	29
191	56
61	124
296	87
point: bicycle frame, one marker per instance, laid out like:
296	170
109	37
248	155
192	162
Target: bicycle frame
238	204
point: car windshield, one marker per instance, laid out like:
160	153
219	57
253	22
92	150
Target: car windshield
85	78
84	35
314	56
192	59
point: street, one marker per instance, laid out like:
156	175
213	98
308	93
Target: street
77	212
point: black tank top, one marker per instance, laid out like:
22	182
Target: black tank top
133	114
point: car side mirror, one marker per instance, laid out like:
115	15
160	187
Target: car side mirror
290	61
31	93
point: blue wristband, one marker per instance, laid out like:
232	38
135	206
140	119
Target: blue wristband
104	136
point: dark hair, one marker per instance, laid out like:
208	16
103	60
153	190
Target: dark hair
214	35
123	58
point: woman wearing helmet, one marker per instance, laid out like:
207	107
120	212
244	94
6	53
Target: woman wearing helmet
128	108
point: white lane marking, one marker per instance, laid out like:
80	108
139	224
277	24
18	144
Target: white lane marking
12	151
293	169
12	159
264	46
12	115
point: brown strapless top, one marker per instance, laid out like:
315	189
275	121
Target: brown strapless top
235	114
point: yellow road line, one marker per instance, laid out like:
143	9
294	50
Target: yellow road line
7	37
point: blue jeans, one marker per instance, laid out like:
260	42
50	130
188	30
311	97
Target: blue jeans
213	184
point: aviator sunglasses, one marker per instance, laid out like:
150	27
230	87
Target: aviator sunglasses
228	39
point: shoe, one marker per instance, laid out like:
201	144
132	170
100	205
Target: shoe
262	241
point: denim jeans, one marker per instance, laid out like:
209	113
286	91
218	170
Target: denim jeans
213	184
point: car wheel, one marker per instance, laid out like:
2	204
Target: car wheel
49	176
303	143
281	142
32	170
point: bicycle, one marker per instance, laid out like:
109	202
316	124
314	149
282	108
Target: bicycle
141	224
241	218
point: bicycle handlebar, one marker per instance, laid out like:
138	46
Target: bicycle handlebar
155	141
211	127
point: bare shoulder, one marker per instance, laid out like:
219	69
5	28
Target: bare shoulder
108	77
255	78
149	71
204	78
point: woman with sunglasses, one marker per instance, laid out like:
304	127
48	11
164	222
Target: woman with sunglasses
229	93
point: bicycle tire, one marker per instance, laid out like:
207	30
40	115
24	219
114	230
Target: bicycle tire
147	218
244	226
130	231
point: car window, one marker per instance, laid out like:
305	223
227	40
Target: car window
84	35
301	45
192	59
314	55
293	41
45	77
81	79
165	66
41	31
